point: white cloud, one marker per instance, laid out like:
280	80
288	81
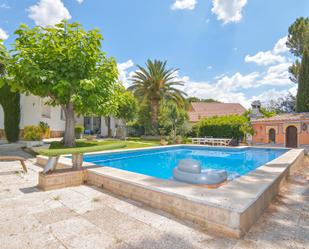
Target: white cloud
280	47
124	75
4	6
48	12
238	81
270	57
228	10
80	1
265	58
184	4
277	75
233	88
3	34
205	89
272	94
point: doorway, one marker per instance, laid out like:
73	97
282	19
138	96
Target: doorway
291	137
272	136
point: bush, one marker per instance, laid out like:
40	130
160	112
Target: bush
231	126
79	129
33	133
10	102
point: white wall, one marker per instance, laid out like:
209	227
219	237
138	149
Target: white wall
104	129
31	113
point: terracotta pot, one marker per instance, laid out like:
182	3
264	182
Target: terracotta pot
163	142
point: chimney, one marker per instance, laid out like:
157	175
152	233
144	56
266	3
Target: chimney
256	106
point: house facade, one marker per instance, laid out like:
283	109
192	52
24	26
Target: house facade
199	110
286	130
34	110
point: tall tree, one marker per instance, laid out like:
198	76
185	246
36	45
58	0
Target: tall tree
302	100
172	118
285	104
154	84
297	42
4	57
9	100
65	64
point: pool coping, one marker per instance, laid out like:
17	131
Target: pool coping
237	204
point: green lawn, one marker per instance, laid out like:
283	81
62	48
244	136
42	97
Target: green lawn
84	146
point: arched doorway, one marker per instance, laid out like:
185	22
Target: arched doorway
291	137
272	136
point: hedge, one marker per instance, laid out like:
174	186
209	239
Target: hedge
230	126
10	102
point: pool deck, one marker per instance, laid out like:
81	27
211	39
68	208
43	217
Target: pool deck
89	217
229	210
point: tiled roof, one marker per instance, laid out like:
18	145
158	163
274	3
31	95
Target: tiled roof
285	117
202	110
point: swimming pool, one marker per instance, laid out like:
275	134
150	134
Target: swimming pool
159	162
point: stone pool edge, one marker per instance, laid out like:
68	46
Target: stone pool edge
230	210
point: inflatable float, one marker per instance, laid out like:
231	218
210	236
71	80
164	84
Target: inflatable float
190	171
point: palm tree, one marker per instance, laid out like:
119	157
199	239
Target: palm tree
156	83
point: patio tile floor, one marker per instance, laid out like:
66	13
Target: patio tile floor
87	217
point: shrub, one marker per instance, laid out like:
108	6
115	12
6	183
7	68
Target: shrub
231	126
33	133
10	102
79	129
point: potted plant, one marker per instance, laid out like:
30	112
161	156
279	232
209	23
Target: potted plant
178	139
45	129
79	129
163	142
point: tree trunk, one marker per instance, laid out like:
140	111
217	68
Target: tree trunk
109	130
69	134
154	113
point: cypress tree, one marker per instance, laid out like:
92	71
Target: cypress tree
302	102
10	102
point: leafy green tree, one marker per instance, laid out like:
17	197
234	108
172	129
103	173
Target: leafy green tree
4	57
144	117
126	104
172	118
302	99
298	41
64	63
154	84
195	99
267	113
298	37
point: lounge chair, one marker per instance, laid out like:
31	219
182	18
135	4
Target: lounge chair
15	158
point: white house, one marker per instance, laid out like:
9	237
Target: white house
34	110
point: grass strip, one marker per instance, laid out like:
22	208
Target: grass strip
81	150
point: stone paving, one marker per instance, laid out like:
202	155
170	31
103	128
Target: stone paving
87	217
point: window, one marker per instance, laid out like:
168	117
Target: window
46	110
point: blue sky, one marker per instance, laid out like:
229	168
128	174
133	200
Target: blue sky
230	50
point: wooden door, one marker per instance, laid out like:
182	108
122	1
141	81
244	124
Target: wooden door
272	136
291	137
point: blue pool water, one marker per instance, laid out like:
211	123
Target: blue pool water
160	162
